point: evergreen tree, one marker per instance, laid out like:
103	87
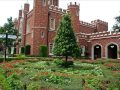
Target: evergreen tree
65	42
10	27
117	25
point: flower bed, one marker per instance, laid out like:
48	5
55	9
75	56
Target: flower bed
41	74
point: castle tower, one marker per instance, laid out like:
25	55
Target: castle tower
25	11
18	28
40	25
74	11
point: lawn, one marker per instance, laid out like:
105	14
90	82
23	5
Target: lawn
46	74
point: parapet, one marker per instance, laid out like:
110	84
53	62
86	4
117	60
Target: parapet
99	21
73	4
87	24
56	9
29	13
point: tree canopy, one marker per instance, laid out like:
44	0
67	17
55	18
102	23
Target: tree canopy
10	28
65	41
117	25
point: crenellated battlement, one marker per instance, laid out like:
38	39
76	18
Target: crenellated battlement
57	9
87	24
74	4
98	35
99	21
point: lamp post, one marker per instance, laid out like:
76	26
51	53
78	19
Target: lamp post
6	44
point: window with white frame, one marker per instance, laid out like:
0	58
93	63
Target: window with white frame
82	50
44	2
50	49
28	28
52	24
77	39
77	13
21	26
42	34
52	2
48	2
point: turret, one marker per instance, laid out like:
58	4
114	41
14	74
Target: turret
25	11
74	11
20	14
40	26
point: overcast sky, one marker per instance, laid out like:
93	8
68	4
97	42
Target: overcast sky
90	10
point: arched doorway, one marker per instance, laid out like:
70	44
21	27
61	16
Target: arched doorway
112	51
97	51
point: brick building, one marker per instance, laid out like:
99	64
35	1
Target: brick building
38	27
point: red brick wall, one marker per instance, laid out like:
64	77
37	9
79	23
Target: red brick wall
40	19
74	9
87	29
104	42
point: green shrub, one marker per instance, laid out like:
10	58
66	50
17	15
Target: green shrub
43	51
67	64
15	82
27	49
4	85
62	63
58	61
20	56
33	86
10	59
14	50
22	50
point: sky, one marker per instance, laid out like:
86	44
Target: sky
90	10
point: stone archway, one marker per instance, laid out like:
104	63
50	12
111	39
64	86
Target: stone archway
97	51
112	51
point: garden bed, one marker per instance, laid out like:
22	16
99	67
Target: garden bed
44	74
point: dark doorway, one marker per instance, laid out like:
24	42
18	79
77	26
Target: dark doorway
112	51
97	51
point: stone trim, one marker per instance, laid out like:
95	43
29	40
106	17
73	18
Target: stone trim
38	27
106	49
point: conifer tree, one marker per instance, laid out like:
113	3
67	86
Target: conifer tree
65	42
117	24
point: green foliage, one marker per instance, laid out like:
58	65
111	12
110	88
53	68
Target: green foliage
12	58
65	42
62	63
43	51
34	86
4	84
27	49
14	50
9	26
20	56
22	50
117	26
3	81
52	78
48	75
58	62
14	82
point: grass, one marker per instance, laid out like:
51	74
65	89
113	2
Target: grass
37	74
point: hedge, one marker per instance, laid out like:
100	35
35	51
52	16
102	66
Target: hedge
10	59
43	51
22	50
27	49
